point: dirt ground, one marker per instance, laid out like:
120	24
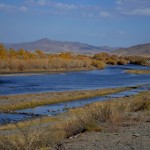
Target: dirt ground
131	136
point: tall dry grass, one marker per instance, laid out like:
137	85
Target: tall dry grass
42	64
99	116
27	61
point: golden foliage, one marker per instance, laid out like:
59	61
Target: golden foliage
26	61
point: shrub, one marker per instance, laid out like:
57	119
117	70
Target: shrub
122	62
98	64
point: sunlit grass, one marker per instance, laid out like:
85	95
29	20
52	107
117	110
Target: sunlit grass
88	118
30	122
57	98
138	71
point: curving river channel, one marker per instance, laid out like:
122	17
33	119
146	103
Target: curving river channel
111	76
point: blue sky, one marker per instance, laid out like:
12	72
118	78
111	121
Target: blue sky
97	22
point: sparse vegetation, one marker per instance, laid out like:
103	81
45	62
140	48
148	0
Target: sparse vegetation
55	97
99	116
138	60
45	132
138	71
110	59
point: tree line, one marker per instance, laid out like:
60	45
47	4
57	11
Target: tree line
23	60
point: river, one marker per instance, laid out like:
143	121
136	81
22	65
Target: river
111	76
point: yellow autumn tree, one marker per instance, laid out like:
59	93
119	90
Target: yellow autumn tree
3	52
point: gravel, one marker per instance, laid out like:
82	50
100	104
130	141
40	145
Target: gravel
131	137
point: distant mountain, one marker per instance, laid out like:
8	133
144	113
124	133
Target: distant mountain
138	50
51	46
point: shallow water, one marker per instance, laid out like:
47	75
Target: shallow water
112	76
10	118
55	109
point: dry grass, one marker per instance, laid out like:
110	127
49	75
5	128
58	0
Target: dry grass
11	65
26	61
13	102
99	116
30	139
30	122
138	71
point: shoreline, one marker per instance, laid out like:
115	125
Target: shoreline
37	72
134	71
78	127
61	70
22	101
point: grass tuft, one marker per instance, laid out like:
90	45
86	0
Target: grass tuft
99	116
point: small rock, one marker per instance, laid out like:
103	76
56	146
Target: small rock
147	119
136	135
75	136
132	147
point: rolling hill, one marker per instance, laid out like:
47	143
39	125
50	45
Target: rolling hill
51	46
138	50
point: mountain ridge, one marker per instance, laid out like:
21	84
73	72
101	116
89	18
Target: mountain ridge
138	50
53	46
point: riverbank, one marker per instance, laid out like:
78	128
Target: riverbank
119	123
40	72
22	101
134	136
125	126
138	71
63	70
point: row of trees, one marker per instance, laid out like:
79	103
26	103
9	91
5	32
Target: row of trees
22	60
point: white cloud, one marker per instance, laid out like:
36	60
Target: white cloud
23	9
104	14
119	2
7	8
37	2
41	2
133	7
138	12
87	15
86	11
30	1
52	7
65	6
12	8
52	4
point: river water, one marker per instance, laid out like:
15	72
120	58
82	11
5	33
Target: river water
112	76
